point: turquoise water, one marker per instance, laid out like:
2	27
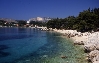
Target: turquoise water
28	45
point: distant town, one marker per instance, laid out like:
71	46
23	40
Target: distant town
32	22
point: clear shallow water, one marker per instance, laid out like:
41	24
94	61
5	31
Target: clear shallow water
27	45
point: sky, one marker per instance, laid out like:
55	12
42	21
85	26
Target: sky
26	9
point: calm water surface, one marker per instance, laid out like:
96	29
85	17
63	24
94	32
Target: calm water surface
28	45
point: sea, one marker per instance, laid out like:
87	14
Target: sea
31	45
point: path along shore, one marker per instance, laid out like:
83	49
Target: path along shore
90	42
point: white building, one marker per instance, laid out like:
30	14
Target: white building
40	19
43	19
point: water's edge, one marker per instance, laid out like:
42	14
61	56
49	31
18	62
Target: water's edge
74	54
28	45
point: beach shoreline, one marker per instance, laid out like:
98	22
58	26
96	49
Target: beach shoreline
88	40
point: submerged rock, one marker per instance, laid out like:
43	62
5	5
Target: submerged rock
63	56
28	60
2	47
4	54
45	56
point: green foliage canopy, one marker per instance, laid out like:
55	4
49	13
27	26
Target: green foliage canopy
86	21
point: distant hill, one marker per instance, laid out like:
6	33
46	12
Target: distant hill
8	20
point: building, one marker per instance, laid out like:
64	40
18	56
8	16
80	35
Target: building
41	19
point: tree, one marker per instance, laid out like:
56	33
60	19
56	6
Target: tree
86	21
21	22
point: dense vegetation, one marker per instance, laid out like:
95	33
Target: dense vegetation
21	23
38	23
86	21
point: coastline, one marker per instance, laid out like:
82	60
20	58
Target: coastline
89	42
59	49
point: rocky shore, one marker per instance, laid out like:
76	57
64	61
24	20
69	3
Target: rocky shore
89	41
